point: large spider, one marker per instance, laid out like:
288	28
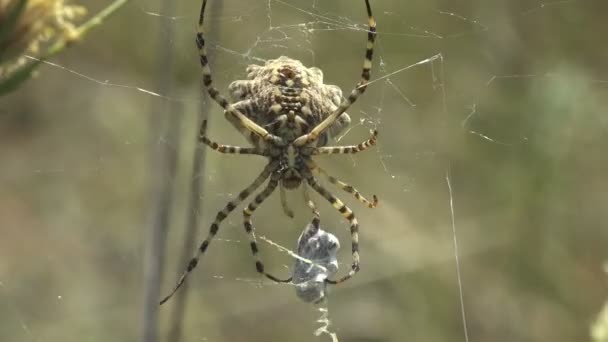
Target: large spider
287	114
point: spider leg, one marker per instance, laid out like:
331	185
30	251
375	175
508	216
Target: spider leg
215	94
250	109
221	215
344	186
247	212
348	149
309	201
284	204
352	220
229	149
358	90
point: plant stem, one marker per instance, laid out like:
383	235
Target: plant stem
25	73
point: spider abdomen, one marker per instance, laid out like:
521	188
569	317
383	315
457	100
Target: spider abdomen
284	87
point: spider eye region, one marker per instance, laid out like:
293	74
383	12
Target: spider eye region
287	72
290	76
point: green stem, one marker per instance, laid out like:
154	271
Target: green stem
9	23
25	73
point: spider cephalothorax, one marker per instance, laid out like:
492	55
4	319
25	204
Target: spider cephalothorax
288	115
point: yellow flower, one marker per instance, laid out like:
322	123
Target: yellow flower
37	24
599	330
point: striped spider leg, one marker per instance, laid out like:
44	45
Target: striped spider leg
221	215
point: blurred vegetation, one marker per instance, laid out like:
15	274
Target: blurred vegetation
599	330
515	109
25	25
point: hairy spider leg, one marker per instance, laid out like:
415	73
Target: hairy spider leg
215	94
228	149
355	93
286	209
213	229
345	186
250	109
250	229
348	149
309	201
349	216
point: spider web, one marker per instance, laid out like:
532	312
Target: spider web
488	113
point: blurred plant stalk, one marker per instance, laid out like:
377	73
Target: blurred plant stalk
599	330
39	29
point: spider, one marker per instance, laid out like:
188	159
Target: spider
287	114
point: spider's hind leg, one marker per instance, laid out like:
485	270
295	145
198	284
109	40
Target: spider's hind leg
310	203
352	220
221	215
250	230
286	209
345	186
349	149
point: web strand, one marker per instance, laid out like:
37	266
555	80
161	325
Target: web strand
457	258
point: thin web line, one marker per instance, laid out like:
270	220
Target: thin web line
424	61
108	83
462	311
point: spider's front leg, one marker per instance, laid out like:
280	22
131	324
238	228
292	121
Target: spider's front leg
355	93
250	109
215	94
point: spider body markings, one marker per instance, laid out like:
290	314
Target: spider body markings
288	99
287	114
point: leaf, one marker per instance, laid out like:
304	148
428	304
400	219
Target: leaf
15	79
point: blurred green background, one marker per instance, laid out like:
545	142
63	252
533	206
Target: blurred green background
513	109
